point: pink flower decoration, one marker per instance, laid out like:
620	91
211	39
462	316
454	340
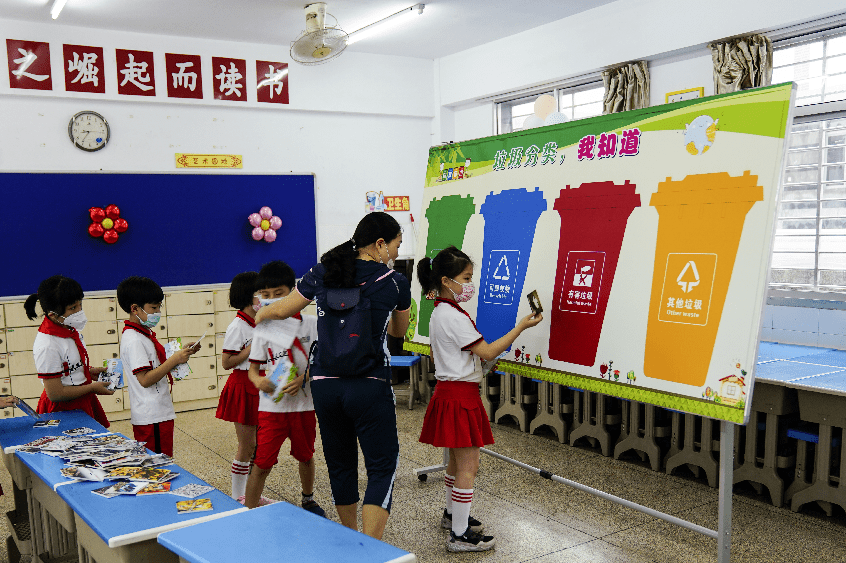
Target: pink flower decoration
265	224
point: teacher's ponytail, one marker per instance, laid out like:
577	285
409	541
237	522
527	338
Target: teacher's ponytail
339	262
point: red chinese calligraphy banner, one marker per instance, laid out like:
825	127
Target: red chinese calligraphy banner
647	235
184	76
272	82
29	64
230	77
135	73
84	69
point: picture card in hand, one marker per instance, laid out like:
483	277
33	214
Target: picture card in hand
181	371
198	505
284	372
191	490
534	302
113	375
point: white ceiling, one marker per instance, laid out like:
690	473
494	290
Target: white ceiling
445	27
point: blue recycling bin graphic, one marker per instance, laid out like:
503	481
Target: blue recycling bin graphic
510	220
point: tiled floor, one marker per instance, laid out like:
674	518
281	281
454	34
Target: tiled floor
535	519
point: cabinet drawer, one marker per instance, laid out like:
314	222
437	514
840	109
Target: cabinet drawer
190	303
21	363
27	387
100	308
221	300
2	340
202	367
16	316
5	386
2	317
125	393
218	362
223	318
100	332
4	365
112	403
190	325
100	352
206	347
21	338
10	412
192	389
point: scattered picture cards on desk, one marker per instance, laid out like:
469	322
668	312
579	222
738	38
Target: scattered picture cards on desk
191	490
46	423
196	505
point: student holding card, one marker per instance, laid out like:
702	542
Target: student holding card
145	364
60	354
456	418
275	343
239	398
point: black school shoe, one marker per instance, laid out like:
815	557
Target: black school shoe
475	525
314	508
469	541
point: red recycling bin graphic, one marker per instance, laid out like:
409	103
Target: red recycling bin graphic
593	222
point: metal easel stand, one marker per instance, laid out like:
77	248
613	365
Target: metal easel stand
723	532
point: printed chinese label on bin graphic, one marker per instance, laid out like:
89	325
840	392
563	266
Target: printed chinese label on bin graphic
646	237
582	282
688	284
500	280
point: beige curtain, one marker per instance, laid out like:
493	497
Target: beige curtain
742	63
626	87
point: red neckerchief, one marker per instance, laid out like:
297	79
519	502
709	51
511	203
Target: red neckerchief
439	300
160	351
55	329
247	319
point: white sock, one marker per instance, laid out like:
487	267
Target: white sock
461	500
449	481
240	471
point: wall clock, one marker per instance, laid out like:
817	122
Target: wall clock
88	131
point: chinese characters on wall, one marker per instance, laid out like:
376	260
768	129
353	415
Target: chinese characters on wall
85	71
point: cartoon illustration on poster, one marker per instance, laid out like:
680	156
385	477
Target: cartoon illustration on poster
646	234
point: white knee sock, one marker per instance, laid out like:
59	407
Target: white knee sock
461	500
240	471
449	481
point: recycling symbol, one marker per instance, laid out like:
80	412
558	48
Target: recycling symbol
687	284
502	272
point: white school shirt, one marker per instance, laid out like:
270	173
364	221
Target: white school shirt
451	335
266	351
239	335
148	405
58	357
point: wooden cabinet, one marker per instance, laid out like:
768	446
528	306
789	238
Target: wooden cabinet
186	326
112	403
100	308
100	332
5	386
16	316
2	317
20	338
9	412
202	367
27	387
190	303
100	352
221	300
22	363
2	340
223	318
4	365
192	389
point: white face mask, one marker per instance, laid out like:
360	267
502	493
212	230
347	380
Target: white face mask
266	302
76	321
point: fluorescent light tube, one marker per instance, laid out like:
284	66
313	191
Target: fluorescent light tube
57	8
384	24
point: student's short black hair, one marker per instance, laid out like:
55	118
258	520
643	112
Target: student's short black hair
242	289
276	274
136	290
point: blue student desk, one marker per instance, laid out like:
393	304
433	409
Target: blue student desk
278	532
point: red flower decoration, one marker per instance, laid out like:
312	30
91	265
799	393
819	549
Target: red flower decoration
106	223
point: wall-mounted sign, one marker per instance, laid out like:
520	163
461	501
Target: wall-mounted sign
209	160
397	203
29	64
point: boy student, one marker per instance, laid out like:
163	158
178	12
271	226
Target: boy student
292	417
145	366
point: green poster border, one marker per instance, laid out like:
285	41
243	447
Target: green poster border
631	392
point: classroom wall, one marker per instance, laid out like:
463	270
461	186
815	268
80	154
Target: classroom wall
360	123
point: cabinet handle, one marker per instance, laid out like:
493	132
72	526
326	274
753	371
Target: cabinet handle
114	355
208	302
211	366
211	324
111	331
212	387
162	327
5	389
1	341
211	344
2	365
117	400
111	309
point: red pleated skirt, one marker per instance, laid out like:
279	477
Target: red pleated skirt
88	404
456	417
239	400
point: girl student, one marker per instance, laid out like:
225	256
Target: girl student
60	354
456	417
354	402
239	399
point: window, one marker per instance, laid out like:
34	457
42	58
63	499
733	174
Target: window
578	102
809	250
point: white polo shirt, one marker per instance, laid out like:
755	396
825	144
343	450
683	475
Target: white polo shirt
239	335
451	335
148	405
270	345
58	357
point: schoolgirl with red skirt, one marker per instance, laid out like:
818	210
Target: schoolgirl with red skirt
456	418
61	357
239	398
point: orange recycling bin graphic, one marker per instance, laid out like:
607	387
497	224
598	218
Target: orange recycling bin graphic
700	220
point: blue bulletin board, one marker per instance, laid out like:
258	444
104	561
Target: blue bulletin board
184	229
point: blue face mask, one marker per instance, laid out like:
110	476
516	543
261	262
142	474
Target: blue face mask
266	302
151	320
